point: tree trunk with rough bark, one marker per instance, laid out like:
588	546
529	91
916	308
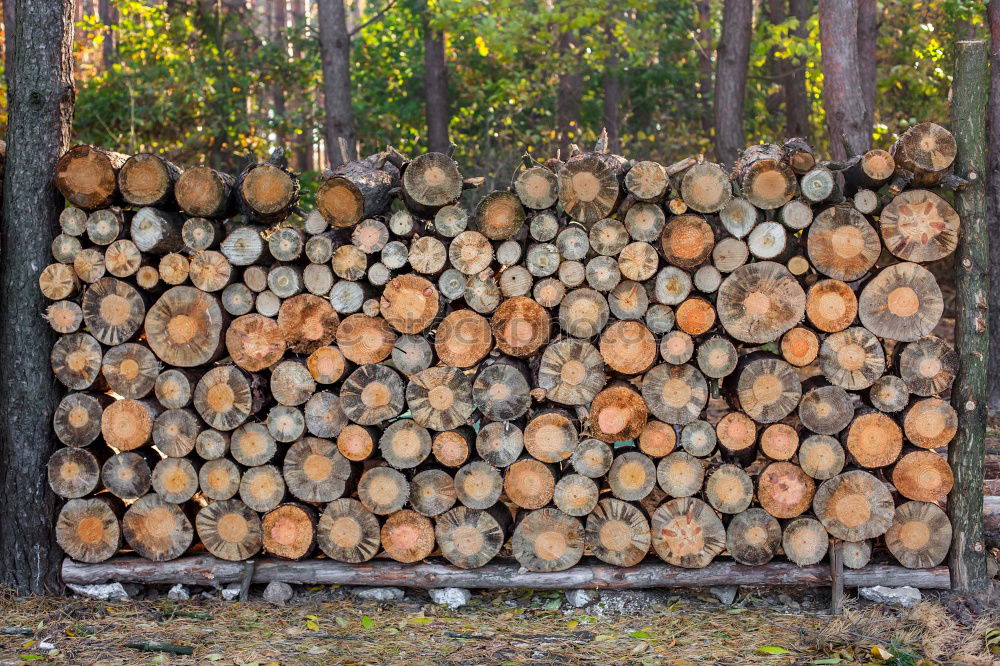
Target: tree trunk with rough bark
868	20
435	87
993	203
41	109
842	84
108	14
731	78
612	90
569	96
335	50
706	44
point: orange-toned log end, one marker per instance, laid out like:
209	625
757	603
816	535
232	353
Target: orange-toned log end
632	476
657	439
202	192
930	423
290	531
617	414
86	176
307	323
779	441
831	305
687	241
127	424
340	202
784	490
452	448
874	440
923	476
695	316
409	303
363	339
548	540
407	536
268	189
520	326
156	529
326	364
88	530
805	541
628	347
529	483
463	338
799	346
355	442
854	506
737	434
687	533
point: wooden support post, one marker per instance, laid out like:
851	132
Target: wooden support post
967	452
836	576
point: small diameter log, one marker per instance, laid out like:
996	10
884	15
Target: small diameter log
903	302
831	305
768	389
571	274
842	244
130	370
589	187
449	221
698	438
499	215
729	489
327	364
796	214
873	440
628	300
520	326
707	279
219	479
88	530
799	346
128	424
784	490
357	442
644	222
608	237
501	392
926	150
175	432
73	472
573	243
576	495
245	245
363	339
230	530
500	443
58	281
409	303
88	266
285	280
156	529
73	221
483	296
175	269
262	488
255	342
148	278
920	535
289	531
765	180
112	311
821	457
805	541
930	423
543	226
184	327
923	476
919	226
315	471
255	278
156	231
440	398
753	537
383	490
470	538
412	354
175	480
77	419
225	397
928	366
427	255
687	241
818	184
537	188
348	532
252	445
430	181
452	448
889	393
199	233
147	179
866	201
87	176
432	492
739	217
729	254
353	192
779	441
463	338
705	188
323	415
657	439
628	347
285	423
542	259
470	252
237	299
369	236
583	313
857	554
592	458
529	483
407	536
687	533
852	359
854	506
105	226
680	474
760	301
717	357
618	533
769	240
632	476
548	540
675	394
737	434
478	485
826	409
647	181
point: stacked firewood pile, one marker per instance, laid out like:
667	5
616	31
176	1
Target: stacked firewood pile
611	357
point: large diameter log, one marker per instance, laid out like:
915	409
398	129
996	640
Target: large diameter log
537	188
478	485
618	414
147	179
928	366
548	540
831	305
785	490
618	533
229	530
927	149
502	574
687	533
687	241
500	443
919	226
204	192
930	423
852	359
760	301
920	535
315	471
407	536
903	302
87	176
184	327
131	370
225	397
628	347
805	541
923	476
363	339
589	187
289	531
430	181
675	394
267	191
354	192
706	188
463	338
157	530
520	326
501	391
873	440
432	492
842	244
88	530
128	424
77	419
575	495
348	532
768	389
826	410
255	342
112	311
821	457
753	537
219	479
470	538
409	303
854	506
440	398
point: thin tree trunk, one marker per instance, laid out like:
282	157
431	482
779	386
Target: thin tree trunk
797	109
8	37
842	87
335	50
435	87
278	26
109	17
868	20
993	203
731	78
569	96
612	91
41	110
303	141
705	48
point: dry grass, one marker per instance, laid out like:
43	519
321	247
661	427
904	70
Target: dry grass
498	628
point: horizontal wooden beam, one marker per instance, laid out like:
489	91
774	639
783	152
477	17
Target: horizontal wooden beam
207	570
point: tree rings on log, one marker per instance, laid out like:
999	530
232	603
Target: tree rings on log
680	474
785	490
675	394
348	532
520	326
687	241
826	410
930	423
88	529
873	440
831	305
383	490
657	439
928	366
854	506
315	471
407	536
440	398
463	338
729	489
920	226
575	495
77	419
499	215
73	473
230	530
128	424
588	187
618	533
852	359
409	303
760	301
571	372
184	327
372	394
156	529
365	340
289	531
632	476
307	323
706	188
87	176
537	188
842	244
687	533
768	389
920	535
805	541
431	181
470	538
903	302
224	397
548	540
617	414
113	311
628	347
779	441
923	476
753	537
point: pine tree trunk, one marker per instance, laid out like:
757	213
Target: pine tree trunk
612	89
569	96
868	20
435	87
797	107
842	84
335	49
993	202
731	77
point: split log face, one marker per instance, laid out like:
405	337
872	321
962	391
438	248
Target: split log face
499	215
779	441
469	538
687	241
77	419
923	476
799	346
657	439
478	485
289	531
919	226
131	370
768	389
680	474
405	444
784	490
706	188
928	366
842	244
225	398
87	176
930	423
432	492
184	327
675	394
175	480
874	440
575	495
431	181
356	442
618	533
88	530
592	458
407	536
315	471
204	192
920	535
903	302
440	398
852	359
617	414
753	537
409	303
348	532
520	326
854	506
737	434
262	488
548	540
889	393
831	305
687	533
760	301
383	490
175	432
255	342
628	347
112	311
805	541
821	457
632	476
219	479
500	443
463	338
698	438
128	424
588	187
729	489
826	410
230	530
529	483
583	313
501	392
156	529
73	473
